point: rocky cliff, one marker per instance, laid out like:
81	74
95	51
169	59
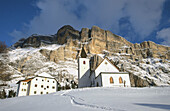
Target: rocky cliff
96	41
148	63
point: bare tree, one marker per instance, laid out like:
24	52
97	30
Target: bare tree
3	47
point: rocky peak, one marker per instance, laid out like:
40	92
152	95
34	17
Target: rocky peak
65	33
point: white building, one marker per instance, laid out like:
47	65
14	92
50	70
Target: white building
40	84
106	74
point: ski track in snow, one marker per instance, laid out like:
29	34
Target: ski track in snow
76	103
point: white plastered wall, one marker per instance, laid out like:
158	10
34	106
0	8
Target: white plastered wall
22	91
84	73
83	68
106	80
42	81
105	66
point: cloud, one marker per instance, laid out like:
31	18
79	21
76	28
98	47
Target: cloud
143	16
164	34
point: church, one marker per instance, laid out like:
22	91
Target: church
106	74
41	84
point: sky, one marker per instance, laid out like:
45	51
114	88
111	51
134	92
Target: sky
135	20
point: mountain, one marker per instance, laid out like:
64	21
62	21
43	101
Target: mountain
148	63
94	99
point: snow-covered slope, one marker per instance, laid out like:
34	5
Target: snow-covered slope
94	99
23	63
150	69
26	62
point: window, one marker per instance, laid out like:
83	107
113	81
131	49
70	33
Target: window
41	92
47	86
46	92
84	62
36	79
53	81
111	80
35	85
35	92
41	86
47	80
44	88
124	83
42	79
24	89
120	80
53	87
23	84
97	84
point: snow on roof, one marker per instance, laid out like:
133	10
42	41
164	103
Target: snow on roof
44	74
101	55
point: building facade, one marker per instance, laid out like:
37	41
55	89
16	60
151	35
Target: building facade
40	84
106	74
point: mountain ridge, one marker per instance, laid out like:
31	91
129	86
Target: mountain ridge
147	63
98	40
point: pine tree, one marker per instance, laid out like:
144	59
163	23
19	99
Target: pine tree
3	94
10	94
59	87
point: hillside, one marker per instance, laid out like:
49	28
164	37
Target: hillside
148	63
94	99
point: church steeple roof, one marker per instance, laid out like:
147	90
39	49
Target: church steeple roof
83	53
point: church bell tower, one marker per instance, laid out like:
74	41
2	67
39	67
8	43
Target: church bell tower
83	68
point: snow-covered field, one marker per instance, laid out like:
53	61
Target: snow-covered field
94	99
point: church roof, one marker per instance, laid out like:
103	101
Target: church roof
83	53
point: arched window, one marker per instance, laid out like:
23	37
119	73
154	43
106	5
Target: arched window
84	62
111	80
120	80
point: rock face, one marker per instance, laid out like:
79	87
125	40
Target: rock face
65	33
36	41
138	82
95	61
96	41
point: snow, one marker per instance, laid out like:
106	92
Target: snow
101	55
44	74
94	99
148	68
17	54
125	46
